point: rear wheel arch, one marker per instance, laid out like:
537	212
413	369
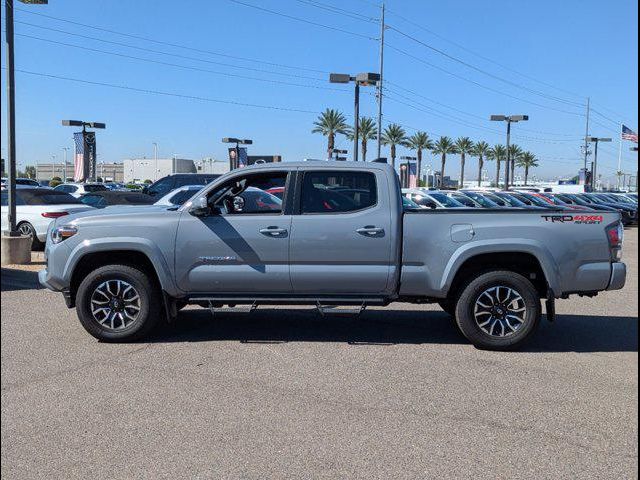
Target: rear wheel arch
523	263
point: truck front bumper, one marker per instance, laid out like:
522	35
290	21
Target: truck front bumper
618	276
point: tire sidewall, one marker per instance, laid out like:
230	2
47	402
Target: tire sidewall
466	303
147	316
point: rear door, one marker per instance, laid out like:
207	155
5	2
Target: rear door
341	234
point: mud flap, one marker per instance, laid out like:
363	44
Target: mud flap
550	305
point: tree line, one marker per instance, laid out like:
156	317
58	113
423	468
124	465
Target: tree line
332	123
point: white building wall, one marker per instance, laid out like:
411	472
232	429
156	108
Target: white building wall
141	169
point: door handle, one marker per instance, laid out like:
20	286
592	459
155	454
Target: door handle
274	232
370	231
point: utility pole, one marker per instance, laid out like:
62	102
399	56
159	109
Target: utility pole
11	119
382	29
586	135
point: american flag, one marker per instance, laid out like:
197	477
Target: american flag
78	160
413	175
628	134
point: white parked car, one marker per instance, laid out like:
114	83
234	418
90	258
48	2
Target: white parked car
36	208
79	189
179	195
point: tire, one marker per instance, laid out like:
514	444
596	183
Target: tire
107	306
25	228
498	310
448	306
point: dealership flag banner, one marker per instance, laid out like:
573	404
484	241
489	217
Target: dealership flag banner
628	134
78	159
84	161
413	175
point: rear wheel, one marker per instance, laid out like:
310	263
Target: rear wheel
498	310
118	303
26	229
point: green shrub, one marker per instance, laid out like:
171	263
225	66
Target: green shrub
56	179
148	182
54	183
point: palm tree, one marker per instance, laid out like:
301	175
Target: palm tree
527	161
515	152
443	147
394	135
331	123
480	150
464	145
499	154
368	130
420	141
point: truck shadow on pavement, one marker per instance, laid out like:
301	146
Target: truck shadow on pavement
13	279
570	333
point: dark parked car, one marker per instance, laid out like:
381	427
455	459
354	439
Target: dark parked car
161	187
114	197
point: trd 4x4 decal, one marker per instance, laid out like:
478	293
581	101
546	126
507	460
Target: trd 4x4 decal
576	219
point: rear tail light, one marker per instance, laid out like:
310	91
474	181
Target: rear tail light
54	214
615	235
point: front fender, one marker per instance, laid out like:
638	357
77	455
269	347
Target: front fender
138	244
513	245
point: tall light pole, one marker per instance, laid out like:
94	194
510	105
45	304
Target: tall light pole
594	171
11	114
362	79
53	165
155	159
509	119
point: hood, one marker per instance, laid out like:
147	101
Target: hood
128	211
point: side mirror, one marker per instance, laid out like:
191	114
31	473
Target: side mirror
200	207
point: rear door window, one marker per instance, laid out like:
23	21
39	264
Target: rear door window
338	192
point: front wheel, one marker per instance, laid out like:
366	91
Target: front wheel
118	303
498	310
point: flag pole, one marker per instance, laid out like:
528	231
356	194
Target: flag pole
619	158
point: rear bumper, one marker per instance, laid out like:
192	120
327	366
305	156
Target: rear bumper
618	276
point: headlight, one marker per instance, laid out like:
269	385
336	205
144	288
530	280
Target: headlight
58	234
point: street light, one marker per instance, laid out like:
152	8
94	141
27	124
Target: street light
11	114
86	147
594	170
509	119
64	165
155	158
362	79
233	162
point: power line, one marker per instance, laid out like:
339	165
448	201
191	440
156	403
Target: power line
484	72
501	65
185	67
303	20
175	55
169	44
478	84
339	11
168	94
412	92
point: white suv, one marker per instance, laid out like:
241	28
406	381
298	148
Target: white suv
79	189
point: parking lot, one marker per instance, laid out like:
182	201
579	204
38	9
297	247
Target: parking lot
285	393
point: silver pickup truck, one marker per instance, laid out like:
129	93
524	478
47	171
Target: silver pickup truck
327	234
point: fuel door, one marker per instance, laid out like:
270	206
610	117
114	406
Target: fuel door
462	232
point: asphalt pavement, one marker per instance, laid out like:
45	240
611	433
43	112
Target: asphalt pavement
284	393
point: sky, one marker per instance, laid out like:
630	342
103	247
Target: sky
185	74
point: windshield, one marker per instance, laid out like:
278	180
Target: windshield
484	201
445	201
511	200
45	197
466	201
532	200
95	188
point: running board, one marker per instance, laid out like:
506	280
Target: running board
244	309
326	310
330	301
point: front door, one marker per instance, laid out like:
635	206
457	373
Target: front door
341	237
242	247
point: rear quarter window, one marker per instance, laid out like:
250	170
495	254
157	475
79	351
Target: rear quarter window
338	192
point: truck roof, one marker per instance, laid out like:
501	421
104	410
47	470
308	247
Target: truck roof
325	165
